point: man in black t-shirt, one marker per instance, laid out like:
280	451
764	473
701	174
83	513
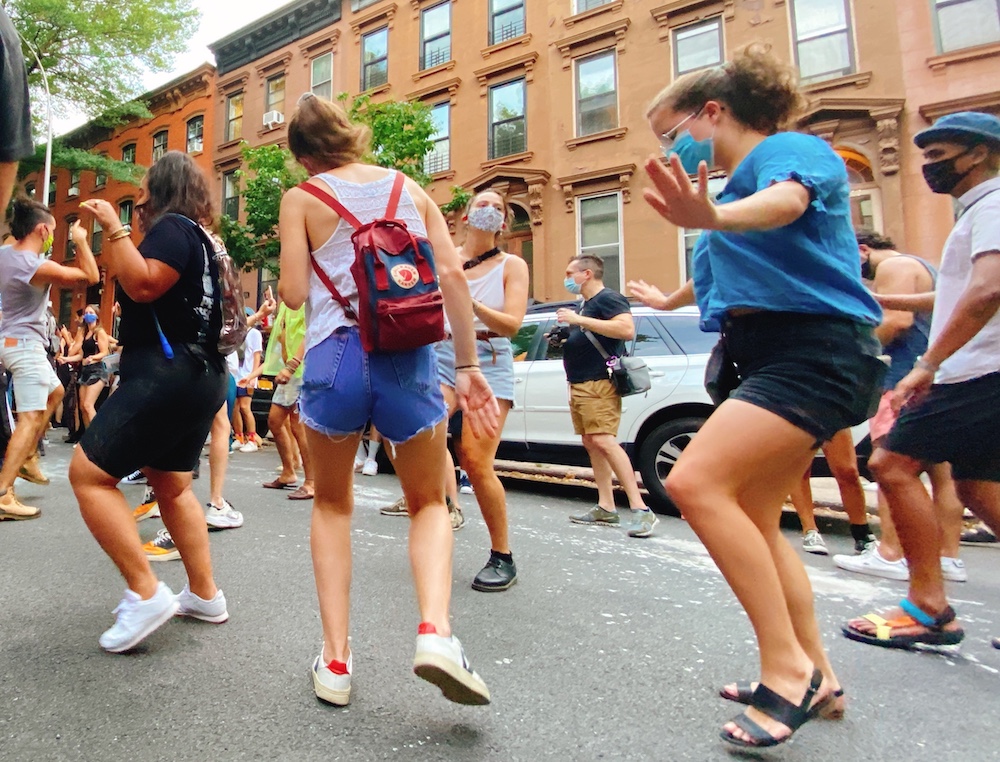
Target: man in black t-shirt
593	400
15	117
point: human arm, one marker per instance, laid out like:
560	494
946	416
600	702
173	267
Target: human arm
291	365
248	380
895	276
651	296
267	307
923	302
65	276
686	204
293	284
507	321
978	303
144	279
621	326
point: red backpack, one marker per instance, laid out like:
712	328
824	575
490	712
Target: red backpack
400	304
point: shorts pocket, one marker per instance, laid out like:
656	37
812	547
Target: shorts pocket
323	361
416	370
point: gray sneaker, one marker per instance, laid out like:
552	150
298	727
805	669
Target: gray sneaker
396	509
597	516
641	523
812	542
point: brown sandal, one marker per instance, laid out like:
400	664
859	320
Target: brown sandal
302	494
277	484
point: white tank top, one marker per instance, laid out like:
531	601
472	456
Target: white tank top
487	289
367	202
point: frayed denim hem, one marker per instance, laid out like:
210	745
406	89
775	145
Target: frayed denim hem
432	426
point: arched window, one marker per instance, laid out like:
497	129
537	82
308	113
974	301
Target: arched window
866	198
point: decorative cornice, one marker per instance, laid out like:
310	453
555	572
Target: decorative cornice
440	68
680	12
979	102
525	62
386	13
859	80
416	5
874	108
616	134
449	86
938	63
319	45
232	84
513	158
513	42
269	67
576	18
615	178
592	38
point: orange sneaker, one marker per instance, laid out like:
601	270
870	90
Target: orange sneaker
12	509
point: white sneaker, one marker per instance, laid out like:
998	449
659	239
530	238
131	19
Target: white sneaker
812	542
442	661
358	465
191	605
873	564
225	517
137	619
250	446
328	685
953	569
235	446
370	468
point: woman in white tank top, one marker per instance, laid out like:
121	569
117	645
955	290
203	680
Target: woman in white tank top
344	387
499	285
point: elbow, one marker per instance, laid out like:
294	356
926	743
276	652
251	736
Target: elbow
93	280
293	298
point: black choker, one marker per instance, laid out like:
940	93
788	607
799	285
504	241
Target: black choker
481	258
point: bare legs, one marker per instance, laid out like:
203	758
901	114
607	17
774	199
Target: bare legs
30	427
244	426
218	456
606	458
88	401
289	432
948	509
732	497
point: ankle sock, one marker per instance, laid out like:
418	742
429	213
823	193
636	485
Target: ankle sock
861	531
508	557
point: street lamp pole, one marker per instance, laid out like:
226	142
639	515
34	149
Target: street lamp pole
48	112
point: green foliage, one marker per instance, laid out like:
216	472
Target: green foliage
95	52
78	159
460	198
270	171
401	133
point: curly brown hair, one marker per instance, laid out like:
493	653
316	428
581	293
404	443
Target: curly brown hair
320	130
176	185
761	92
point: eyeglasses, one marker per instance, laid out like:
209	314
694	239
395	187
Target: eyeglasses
668	138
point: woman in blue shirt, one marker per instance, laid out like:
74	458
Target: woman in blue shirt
777	271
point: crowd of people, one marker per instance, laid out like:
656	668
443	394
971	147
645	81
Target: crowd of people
821	328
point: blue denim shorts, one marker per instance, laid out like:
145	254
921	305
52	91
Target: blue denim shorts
344	387
496	361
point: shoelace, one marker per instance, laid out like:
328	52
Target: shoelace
162	538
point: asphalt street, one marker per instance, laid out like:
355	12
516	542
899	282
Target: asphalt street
608	648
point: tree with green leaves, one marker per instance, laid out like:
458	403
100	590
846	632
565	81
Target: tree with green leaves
401	138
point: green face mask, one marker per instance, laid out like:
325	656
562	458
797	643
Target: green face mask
47	243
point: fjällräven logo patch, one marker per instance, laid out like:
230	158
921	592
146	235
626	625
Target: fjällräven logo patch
405	276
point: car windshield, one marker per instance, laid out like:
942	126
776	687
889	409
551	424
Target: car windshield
686	331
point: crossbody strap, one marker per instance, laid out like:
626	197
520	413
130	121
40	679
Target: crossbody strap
593	340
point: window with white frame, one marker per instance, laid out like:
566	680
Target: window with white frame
275	96
52	191
375	59
231	195
966	23
435	36
321	76
508	128
823	45
596	94
689	236
234	117
160	144
697	46
600	233
74	182
196	134
506	20
96	238
438	158
101	177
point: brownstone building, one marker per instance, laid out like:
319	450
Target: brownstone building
183	119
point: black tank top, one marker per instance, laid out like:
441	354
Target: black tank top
90	345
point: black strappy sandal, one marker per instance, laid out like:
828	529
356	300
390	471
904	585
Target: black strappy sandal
823	708
777	708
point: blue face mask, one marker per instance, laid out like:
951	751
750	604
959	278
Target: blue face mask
89	318
572	286
693	152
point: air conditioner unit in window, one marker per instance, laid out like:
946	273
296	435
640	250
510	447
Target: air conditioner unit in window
272	119
74	191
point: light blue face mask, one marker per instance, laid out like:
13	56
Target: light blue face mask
572	286
693	152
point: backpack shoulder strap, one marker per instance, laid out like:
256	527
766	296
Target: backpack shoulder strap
331	202
325	280
397	191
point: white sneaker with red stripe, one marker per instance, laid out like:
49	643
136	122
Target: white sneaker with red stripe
442	661
332	680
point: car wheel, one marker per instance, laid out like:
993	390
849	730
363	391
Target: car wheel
658	454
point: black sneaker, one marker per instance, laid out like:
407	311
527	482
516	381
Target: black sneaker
977	534
497	575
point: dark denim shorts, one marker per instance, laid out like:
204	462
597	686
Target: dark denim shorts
955	423
822	374
343	387
161	413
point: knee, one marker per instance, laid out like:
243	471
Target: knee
276	420
683	486
598	442
888	468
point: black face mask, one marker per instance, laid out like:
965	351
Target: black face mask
942	177
867	270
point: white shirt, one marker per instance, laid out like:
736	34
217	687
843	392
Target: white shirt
976	232
254	343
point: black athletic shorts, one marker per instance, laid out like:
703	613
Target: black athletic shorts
820	373
161	413
957	424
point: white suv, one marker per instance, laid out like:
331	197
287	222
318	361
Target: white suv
655	427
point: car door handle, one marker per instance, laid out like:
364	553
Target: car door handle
518	380
657	373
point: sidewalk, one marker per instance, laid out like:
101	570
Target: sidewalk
826	495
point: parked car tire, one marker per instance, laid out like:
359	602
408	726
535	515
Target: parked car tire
657	455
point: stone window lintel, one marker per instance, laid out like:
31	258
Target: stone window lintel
576	18
365	23
677	13
610	180
593	38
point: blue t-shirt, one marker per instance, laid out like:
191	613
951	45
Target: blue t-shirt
810	266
